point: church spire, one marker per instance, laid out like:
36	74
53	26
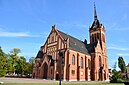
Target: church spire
95	13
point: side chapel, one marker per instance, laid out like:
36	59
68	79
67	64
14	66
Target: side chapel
81	61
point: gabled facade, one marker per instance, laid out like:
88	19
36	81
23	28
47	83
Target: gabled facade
80	61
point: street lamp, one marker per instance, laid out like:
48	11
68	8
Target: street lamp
61	54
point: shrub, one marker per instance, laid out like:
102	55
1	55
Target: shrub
120	81
2	73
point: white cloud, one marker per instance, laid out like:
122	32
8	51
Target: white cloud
22	34
4	33
125	54
118	48
14	34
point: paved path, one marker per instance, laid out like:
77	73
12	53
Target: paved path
30	80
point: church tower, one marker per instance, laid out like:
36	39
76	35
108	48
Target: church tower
97	32
99	56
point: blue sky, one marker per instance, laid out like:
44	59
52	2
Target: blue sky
25	24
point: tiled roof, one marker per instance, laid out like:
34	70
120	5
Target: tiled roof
74	43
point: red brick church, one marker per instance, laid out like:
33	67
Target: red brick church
67	57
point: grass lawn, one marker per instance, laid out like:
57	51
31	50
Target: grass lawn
62	84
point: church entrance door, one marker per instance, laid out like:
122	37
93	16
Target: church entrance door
45	70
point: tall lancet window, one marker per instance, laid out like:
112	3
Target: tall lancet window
100	62
73	60
89	64
81	62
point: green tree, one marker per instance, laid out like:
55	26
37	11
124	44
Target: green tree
121	64
29	66
10	68
31	62
27	69
116	74
13	59
3	63
15	51
21	65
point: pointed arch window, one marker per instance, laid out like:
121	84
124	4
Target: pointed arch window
106	62
73	60
89	64
81	62
100	62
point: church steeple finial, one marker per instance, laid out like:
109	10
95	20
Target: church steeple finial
95	13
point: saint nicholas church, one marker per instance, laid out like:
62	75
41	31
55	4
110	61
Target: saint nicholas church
64	56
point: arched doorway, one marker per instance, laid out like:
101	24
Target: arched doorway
100	75
45	70
100	69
